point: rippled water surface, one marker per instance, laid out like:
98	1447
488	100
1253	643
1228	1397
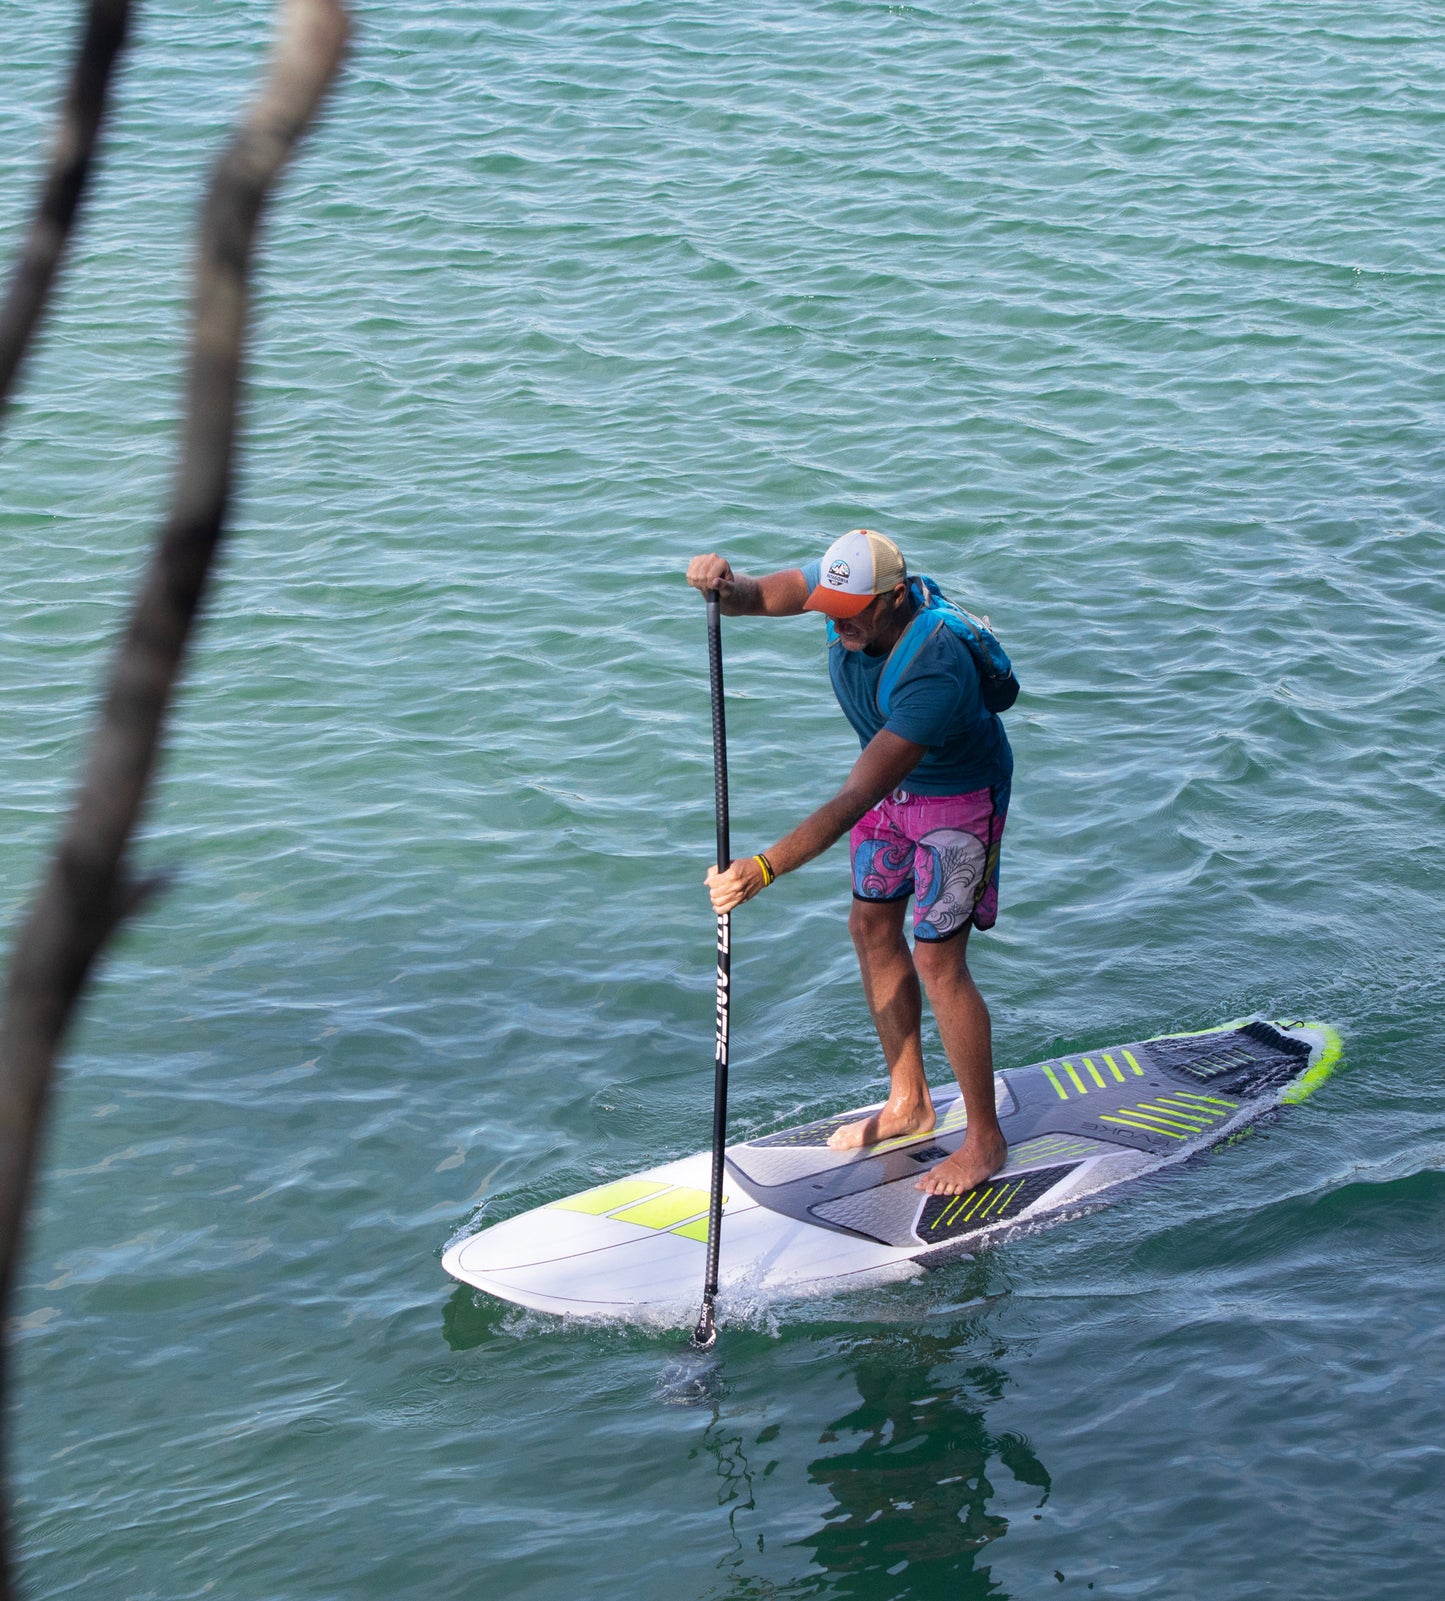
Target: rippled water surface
1125	320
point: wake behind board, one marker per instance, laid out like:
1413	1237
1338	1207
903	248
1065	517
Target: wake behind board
800	1219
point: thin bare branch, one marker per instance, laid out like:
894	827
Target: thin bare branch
71	154
88	888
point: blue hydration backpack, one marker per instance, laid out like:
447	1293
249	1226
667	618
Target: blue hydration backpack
998	687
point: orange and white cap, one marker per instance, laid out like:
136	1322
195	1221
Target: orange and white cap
854	569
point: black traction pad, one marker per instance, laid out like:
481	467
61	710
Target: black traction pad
1247	1062
949	1217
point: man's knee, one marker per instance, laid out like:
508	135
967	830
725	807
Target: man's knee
941	960
876	925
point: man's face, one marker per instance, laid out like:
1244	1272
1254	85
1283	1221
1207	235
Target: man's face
871	625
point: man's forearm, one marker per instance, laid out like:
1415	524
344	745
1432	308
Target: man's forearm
817	832
780	594
881	767
741	596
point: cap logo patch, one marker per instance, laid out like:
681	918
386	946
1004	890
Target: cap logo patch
839	573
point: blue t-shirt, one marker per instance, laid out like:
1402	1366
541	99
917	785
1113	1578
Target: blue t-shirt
936	703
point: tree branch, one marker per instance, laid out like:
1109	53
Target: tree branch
88	889
70	158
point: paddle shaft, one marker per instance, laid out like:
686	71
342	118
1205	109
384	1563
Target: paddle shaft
706	1331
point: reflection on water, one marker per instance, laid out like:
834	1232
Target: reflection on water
918	1468
920	1483
468	1318
738	1481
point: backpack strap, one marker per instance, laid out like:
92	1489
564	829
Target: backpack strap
998	687
923	625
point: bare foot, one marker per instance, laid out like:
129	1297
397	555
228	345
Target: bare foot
897	1118
979	1157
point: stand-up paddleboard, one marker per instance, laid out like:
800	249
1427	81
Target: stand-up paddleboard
800	1219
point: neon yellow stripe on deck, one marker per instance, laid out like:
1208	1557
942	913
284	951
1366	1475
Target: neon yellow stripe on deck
696	1230
1098	1079
974	1196
1176	1103
1159	1125
1113	1067
1167	1114
1162	1120
1005	1194
663	1211
1079	1084
1148	1128
1129	1058
1049	1074
622	1193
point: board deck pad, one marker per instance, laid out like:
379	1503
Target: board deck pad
799	1218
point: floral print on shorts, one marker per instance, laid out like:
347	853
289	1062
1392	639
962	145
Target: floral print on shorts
941	849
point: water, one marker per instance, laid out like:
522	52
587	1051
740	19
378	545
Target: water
1124	320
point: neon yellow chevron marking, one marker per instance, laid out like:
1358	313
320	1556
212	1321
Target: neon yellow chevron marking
1005	1194
1159	1125
696	1230
1193	1118
595	1202
1079	1084
1129	1058
1049	1074
1192	1108
1113	1067
1204	1100
663	1211
1094	1070
1047	1146
1148	1128
1152	1114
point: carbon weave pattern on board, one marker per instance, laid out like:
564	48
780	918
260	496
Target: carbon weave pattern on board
1246	1062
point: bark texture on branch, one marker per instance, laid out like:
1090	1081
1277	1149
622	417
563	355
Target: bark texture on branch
88	889
102	40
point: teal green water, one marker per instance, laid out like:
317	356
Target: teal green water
1125	320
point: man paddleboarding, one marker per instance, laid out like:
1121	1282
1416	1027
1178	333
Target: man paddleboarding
924	807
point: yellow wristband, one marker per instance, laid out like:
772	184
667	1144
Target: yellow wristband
767	869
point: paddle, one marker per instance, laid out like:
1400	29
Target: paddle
705	1334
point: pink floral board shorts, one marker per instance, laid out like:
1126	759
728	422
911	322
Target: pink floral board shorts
941	849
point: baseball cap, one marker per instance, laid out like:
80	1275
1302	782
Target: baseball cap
855	568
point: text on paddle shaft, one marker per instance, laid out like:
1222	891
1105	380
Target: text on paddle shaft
723	934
